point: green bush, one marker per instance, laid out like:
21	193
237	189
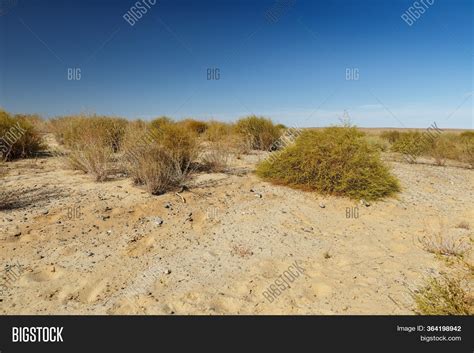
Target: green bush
336	160
260	132
18	138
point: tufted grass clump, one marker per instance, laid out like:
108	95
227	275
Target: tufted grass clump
336	160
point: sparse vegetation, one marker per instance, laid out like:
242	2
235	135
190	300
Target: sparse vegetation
336	160
260	132
442	295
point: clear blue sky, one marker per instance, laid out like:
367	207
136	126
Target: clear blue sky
293	70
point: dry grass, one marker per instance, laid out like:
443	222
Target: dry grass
443	295
216	157
241	251
337	161
463	225
445	245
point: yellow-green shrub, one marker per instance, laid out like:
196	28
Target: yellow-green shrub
336	160
259	131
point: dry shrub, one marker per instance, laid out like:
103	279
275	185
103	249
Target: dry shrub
18	138
336	160
391	136
445	245
91	151
40	125
3	169
259	132
378	143
443	148
463	225
92	159
466	148
92	142
196	126
410	143
161	121
217	131
216	157
71	131
443	295
161	159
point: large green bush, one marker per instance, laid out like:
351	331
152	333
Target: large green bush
336	160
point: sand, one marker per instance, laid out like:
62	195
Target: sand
217	248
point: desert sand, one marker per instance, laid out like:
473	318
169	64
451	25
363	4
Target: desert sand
112	248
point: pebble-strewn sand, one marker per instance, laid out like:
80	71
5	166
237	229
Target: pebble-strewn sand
96	248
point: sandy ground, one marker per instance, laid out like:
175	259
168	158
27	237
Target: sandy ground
111	248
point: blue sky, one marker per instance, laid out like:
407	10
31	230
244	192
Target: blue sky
292	70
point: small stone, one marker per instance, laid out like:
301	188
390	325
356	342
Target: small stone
258	195
167	271
168	205
45	212
158	221
322	205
